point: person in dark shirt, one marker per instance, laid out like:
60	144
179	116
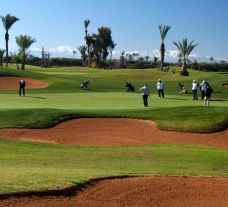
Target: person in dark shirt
22	87
208	93
130	87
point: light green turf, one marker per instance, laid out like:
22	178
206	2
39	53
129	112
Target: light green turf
34	166
111	100
107	92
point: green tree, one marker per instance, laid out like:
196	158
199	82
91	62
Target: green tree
82	50
122	59
15	58
111	47
24	42
101	43
147	58
211	59
155	61
8	21
1	56
163	32
185	50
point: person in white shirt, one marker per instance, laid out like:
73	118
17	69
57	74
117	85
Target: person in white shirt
194	90
160	88
145	94
203	86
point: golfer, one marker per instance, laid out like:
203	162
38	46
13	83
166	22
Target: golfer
160	88
203	87
22	87
145	94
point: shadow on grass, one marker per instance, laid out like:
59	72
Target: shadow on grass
178	98
37	97
218	100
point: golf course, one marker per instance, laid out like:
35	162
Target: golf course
58	139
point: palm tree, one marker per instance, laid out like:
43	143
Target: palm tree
86	24
8	21
185	50
1	56
24	42
211	59
155	61
163	32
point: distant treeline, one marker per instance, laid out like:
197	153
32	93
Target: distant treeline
210	67
58	62
140	63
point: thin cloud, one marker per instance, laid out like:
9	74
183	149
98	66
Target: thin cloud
35	49
62	49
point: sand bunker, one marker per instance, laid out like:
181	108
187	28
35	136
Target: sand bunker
139	191
114	132
12	83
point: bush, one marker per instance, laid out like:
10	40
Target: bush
210	67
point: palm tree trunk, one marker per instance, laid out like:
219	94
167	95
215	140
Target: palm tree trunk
162	50
23	60
7	48
88	49
184	71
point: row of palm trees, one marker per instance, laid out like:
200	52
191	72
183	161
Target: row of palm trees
183	47
23	41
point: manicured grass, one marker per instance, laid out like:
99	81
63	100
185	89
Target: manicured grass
107	97
35	166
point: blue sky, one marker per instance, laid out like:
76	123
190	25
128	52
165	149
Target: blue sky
58	24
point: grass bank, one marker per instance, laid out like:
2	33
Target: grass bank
35	166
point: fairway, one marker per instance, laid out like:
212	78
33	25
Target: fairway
130	146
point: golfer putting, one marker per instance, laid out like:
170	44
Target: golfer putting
145	94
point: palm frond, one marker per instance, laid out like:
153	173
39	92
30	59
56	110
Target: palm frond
163	31
8	21
24	41
86	23
184	47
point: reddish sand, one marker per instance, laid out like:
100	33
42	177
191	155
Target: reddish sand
138	191
114	132
12	83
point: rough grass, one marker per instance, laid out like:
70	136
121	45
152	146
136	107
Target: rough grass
35	166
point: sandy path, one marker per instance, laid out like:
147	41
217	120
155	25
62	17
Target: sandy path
141	191
114	132
12	83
